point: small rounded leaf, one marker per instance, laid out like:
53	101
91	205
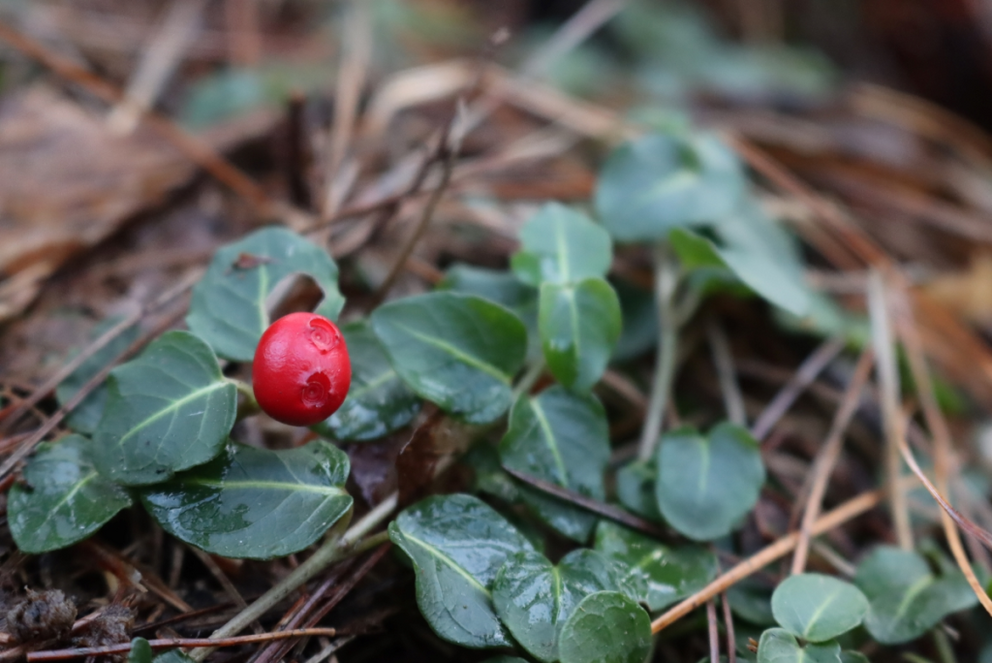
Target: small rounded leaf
779	646
670	574
706	485
817	607
458	351
167	410
229	308
85	417
579	324
905	598
660	182
562	438
457	544
606	627
255	503
534	598
378	402
63	499
561	245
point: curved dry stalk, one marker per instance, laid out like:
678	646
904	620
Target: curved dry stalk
942	451
827	458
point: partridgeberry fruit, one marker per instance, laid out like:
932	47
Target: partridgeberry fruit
301	371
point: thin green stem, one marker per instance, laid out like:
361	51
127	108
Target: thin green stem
351	543
666	273
943	644
528	379
248	405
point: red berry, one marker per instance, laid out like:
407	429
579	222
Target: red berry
301	372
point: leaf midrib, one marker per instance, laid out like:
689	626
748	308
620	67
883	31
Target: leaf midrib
264	485
174	406
448	561
456	353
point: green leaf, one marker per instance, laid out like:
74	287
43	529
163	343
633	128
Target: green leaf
63	499
660	182
606	627
255	503
671	574
751	600
635	489
706	485
562	438
817	607
173	656
141	651
86	416
534	598
853	657
503	288
779	646
505	659
378	402
458	351
905	598
561	245
228	309
490	477
640	321
167	410
579	326
756	250
457	544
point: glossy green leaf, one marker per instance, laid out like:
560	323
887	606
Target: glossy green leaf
86	416
255	503
660	182
905	598
503	288
457	544
706	485
173	656
606	627
63	499
505	659
779	646
229	309
751	600
534	598
458	351
635	489
756	250
561	245
378	402
562	438
817	607
141	651
579	326
670	574
167	410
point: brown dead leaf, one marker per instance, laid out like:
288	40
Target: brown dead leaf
967	293
66	183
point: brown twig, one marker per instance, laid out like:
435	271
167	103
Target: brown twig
713	630
808	371
172	643
98	344
728	622
888	380
593	506
25	447
849	510
942	445
827	457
